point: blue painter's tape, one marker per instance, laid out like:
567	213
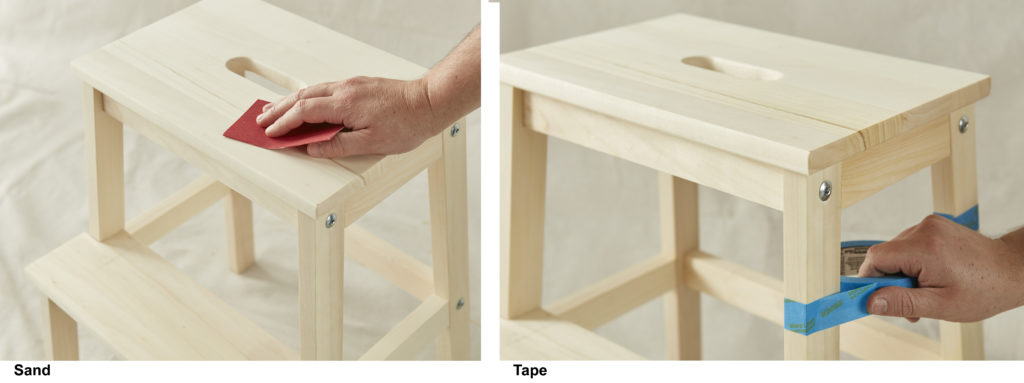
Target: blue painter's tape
968	218
850	303
846	244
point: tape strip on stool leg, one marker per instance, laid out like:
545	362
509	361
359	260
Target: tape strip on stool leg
850	303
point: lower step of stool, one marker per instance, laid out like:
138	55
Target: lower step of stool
144	307
539	335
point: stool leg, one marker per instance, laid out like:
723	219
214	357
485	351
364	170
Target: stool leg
321	286
60	335
104	152
450	243
811	254
954	191
238	225
680	234
524	161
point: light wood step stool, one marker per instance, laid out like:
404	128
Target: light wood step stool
180	82
769	118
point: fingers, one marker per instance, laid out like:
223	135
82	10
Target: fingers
893	257
909	251
867	269
345	144
274	110
908	303
882	259
311	110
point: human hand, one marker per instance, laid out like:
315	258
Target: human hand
962	275
385	116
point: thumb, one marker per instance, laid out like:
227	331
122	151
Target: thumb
905	302
344	144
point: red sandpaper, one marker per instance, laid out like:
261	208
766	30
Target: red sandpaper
247	130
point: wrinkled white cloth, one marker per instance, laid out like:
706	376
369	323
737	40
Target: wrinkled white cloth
43	182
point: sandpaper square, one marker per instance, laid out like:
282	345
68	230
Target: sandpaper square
247	130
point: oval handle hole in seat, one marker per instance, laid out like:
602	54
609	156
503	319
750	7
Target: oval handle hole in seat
733	68
264	76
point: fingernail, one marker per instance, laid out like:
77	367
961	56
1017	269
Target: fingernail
878	306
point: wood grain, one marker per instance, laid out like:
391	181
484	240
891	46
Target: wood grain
617	294
827	104
954	191
523	178
538	335
388	261
104	159
866	338
705	165
759	115
321	288
413	333
182	80
869	172
174	74
144	307
174	210
397	171
811	255
449	241
238	227
60	333
680	236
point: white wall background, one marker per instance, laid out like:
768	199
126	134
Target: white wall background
43	188
602	212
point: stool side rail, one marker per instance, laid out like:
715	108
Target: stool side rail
743	177
762	296
250	189
174	210
884	164
617	294
397	171
380	256
413	333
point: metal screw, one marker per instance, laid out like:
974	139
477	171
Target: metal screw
455	130
964	123
825	190
459	304
330	221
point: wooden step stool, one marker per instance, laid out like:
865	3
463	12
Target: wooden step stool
792	124
180	82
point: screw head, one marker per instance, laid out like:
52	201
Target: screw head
964	124
331	219
460	303
825	190
455	130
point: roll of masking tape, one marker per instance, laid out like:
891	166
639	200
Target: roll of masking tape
850	303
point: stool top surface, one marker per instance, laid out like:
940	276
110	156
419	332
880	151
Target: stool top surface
176	74
798	104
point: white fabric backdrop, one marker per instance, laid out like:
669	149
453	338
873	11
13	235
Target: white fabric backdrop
42	179
602	212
